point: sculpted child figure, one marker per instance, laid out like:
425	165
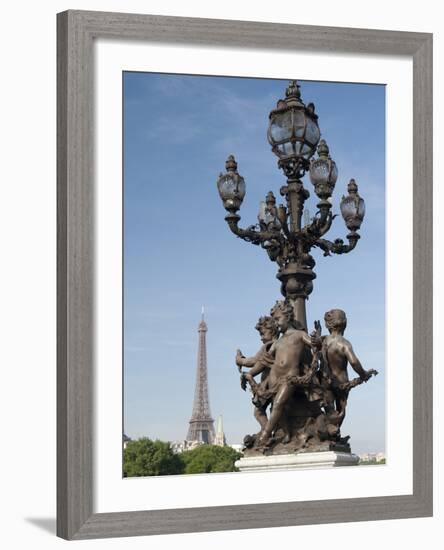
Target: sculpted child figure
304	382
337	353
291	366
259	363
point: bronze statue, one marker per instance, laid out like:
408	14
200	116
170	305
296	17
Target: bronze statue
290	357
337	353
304	383
260	363
301	399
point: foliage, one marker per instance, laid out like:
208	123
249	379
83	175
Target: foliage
210	459
144	457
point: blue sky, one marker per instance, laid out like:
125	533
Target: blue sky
179	254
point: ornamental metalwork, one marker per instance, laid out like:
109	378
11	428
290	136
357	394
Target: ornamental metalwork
301	398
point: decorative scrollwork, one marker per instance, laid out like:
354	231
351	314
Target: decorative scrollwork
279	229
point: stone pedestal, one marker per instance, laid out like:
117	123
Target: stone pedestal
298	461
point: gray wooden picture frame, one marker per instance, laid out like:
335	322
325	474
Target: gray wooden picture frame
76	32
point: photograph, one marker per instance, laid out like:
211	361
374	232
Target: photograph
241	358
223	225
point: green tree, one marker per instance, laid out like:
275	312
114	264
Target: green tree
372	462
210	458
144	457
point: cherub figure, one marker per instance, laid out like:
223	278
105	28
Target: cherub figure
337	353
291	367
259	364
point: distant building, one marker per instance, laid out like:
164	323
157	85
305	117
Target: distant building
126	440
185	445
376	458
219	438
238	447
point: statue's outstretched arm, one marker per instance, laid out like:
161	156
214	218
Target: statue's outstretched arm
354	361
258	368
248	362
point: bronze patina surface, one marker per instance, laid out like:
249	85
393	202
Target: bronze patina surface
301	397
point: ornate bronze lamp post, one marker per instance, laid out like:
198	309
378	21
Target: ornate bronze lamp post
294	136
300	401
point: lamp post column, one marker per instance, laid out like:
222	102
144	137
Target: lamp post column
296	277
296	195
296	286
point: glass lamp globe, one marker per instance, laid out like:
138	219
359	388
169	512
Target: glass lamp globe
293	131
323	172
231	186
353	207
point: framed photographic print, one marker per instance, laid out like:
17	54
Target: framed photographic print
165	283
313	147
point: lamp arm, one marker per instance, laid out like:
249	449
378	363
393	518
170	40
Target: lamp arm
249	234
338	246
311	234
327	225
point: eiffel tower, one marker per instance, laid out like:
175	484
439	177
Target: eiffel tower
201	424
